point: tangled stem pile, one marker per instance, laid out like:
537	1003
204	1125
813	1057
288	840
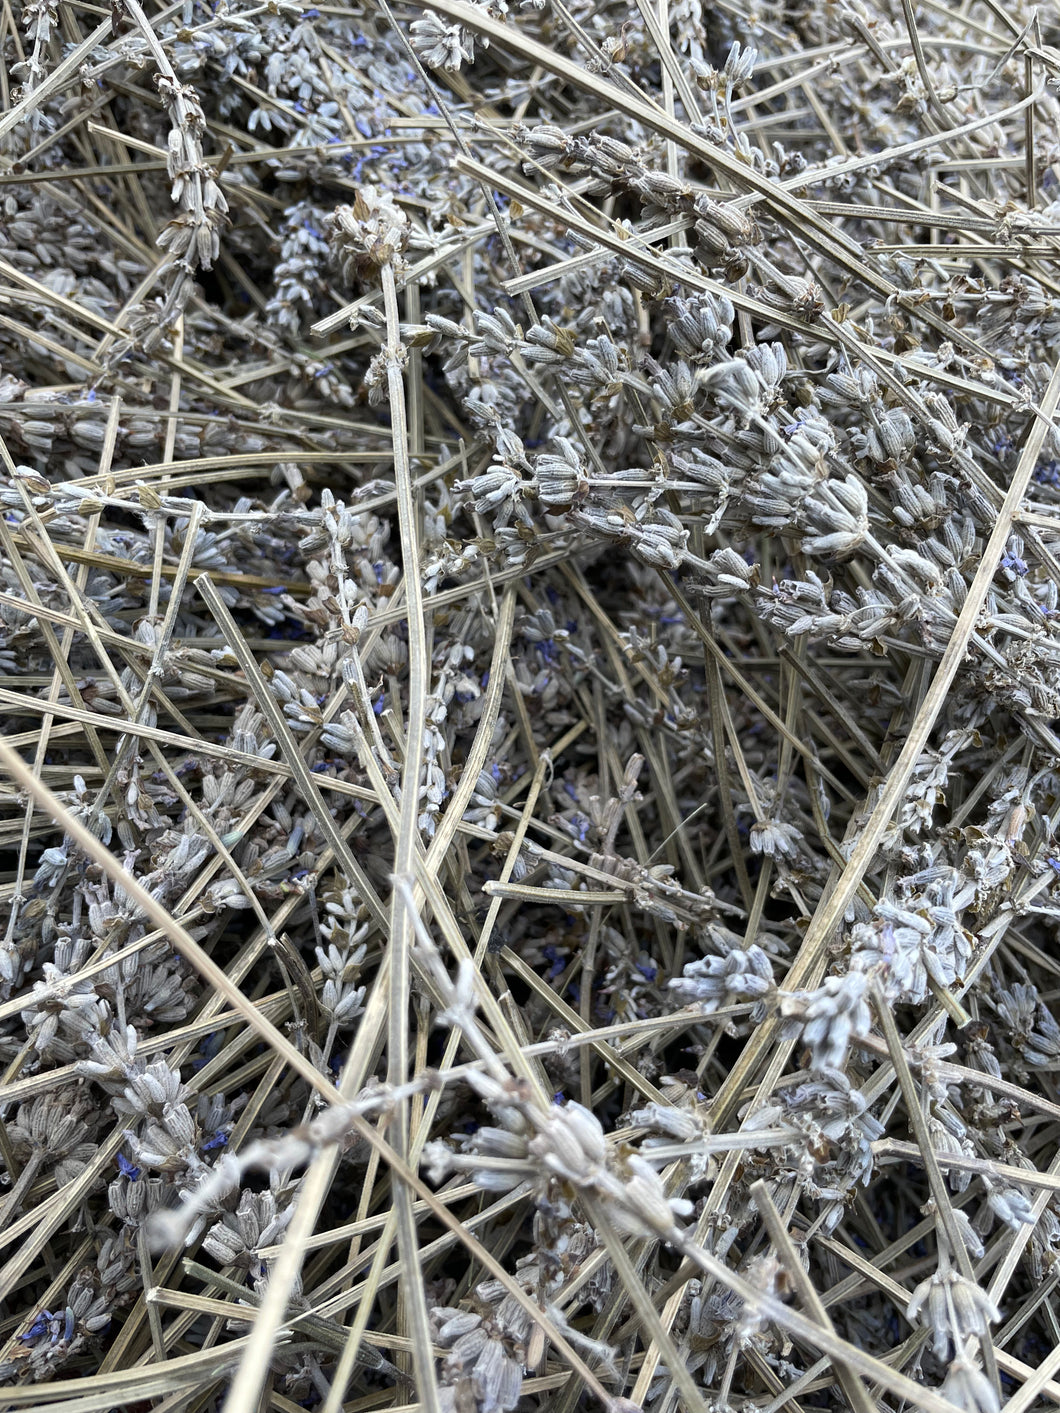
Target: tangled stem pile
530	652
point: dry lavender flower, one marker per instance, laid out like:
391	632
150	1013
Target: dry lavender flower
719	981
830	1018
968	1389
954	1308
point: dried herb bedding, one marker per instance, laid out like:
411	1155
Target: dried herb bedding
530	659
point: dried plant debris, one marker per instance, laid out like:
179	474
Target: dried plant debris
530	659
